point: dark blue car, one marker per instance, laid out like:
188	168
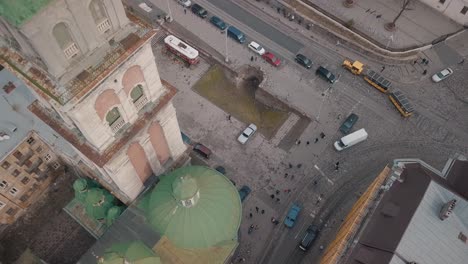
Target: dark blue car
244	192
218	22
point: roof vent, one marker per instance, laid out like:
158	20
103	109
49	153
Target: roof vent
447	209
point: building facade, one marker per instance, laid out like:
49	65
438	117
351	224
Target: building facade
24	175
98	86
457	10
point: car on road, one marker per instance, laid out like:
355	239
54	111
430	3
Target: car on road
218	22
293	212
202	150
304	61
442	75
271	58
244	191
236	34
199	11
185	3
247	133
349	123
256	48
326	74
309	237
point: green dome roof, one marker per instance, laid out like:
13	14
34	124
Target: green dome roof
195	207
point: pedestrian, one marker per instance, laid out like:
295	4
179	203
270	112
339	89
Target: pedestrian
289	190
263	211
414	62
316	140
424	72
251	58
290	165
277	200
250	215
462	61
285	175
337	163
229	117
256	208
307	143
322	135
185	11
315	182
424	60
255	58
277	191
383	68
256	227
292	177
272	196
299	165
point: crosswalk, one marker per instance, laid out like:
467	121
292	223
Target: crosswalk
432	129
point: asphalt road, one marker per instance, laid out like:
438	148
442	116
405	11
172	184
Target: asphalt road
258	25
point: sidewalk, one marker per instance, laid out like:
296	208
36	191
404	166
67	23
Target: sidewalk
417	26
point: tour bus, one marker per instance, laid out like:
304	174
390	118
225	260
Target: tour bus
377	81
181	49
401	103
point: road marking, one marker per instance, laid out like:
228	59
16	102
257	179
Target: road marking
323	174
300	230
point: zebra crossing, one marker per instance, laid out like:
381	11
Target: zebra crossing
432	129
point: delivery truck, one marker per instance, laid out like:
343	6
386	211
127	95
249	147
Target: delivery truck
351	139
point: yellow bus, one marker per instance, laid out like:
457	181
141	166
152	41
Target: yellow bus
401	103
377	81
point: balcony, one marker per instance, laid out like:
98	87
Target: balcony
140	102
71	50
104	26
117	125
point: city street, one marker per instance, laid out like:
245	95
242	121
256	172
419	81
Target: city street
436	131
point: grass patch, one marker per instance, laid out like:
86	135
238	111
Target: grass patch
239	102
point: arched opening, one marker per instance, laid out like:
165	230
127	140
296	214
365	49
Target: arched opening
137	157
98	12
114	119
65	40
138	97
159	143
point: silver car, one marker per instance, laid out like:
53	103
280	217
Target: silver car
247	133
442	75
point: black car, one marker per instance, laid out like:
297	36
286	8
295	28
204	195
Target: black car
304	61
218	22
325	74
349	123
309	237
244	192
199	11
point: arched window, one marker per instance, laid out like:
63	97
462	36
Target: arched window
98	12
65	40
138	97
115	120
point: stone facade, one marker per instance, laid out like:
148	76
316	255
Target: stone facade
457	10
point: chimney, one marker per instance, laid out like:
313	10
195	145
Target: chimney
447	209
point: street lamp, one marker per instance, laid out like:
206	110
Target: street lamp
169	11
226	59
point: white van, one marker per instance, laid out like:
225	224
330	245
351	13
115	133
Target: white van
351	139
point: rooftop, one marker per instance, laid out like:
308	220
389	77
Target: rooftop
19	11
405	225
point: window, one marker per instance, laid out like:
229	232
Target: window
13	191
16	173
3	184
56	165
442	1
136	93
6	165
464	10
25	180
31	141
47	157
24	198
18	155
113	115
11	211
2	204
39	149
97	11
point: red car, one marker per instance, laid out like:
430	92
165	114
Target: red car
271	58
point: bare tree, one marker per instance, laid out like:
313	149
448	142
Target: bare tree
392	26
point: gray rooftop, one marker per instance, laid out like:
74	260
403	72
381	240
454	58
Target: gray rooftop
15	114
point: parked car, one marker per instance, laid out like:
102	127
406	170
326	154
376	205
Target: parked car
247	133
236	34
185	3
271	58
293	212
202	150
256	48
325	74
304	61
199	11
309	237
349	123
244	191
218	22
442	75
221	170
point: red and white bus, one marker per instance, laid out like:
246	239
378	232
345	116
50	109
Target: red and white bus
182	49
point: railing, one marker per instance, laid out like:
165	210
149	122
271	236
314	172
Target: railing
140	102
103	26
118	124
71	50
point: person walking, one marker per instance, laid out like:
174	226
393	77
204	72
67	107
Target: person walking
185	11
383	68
256	208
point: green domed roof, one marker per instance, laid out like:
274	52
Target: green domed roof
195	207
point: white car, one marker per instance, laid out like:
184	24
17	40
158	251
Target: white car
442	75
256	48
185	3
247	133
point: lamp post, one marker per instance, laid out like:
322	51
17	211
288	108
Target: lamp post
226	59
169	11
